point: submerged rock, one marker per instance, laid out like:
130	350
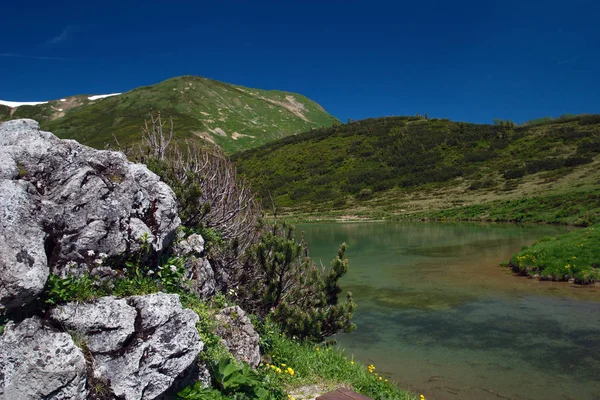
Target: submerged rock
36	362
65	204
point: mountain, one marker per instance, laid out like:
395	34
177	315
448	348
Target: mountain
414	166
232	116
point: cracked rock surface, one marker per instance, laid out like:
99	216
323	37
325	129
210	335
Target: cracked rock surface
141	345
37	362
63	203
238	335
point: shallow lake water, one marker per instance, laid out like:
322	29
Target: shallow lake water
437	314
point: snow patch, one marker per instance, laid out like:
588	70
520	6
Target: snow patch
63	99
102	96
14	104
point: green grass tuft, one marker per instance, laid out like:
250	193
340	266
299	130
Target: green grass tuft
572	256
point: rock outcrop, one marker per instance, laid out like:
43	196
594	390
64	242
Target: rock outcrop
238	335
37	362
141	345
200	273
64	204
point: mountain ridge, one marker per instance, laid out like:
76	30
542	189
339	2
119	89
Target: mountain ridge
232	116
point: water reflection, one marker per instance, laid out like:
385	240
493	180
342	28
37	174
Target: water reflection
437	314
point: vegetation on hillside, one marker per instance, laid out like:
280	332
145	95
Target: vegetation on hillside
580	208
233	117
375	164
572	256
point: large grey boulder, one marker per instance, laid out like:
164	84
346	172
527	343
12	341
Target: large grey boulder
238	335
23	265
36	362
106	324
75	203
142	346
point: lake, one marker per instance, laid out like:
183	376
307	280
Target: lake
439	316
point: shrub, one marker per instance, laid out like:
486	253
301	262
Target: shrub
279	280
514	173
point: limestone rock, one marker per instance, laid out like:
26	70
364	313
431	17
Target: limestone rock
63	204
106	324
144	345
192	245
37	362
238	335
201	277
23	266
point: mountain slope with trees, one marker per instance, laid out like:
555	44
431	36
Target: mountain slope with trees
407	166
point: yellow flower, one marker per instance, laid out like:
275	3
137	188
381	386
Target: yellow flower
386	380
289	396
422	397
380	378
272	367
290	371
278	370
352	362
283	365
317	349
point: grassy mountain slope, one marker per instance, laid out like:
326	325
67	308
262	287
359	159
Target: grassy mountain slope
232	116
406	166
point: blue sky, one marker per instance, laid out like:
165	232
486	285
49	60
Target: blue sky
464	60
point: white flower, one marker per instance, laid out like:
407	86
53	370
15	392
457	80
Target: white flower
160	267
90	253
124	270
71	264
150	272
103	255
98	261
173	268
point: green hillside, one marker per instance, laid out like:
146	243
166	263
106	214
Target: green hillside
231	116
412	166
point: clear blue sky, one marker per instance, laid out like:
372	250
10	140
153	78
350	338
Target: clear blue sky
464	60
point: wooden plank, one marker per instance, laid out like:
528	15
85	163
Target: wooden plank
343	394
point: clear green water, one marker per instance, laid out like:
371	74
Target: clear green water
439	316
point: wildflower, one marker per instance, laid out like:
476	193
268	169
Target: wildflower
385	380
317	349
150	272
352	362
90	253
422	397
278	370
124	270
290	371
273	367
380	378
283	365
103	255
173	268
98	261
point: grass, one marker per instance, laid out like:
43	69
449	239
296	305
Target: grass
579	208
324	366
572	256
201	109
